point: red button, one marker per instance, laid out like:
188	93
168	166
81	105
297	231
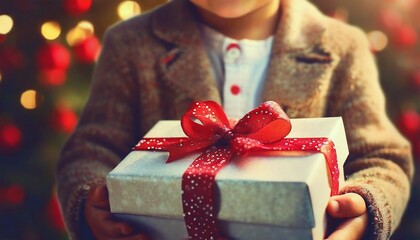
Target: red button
233	52
235	89
233	46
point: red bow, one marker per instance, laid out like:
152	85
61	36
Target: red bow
208	130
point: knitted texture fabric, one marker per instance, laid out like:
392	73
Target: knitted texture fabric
153	66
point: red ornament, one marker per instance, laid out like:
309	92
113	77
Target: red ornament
87	50
415	80
53	77
53	56
54	214
409	124
404	36
14	194
389	19
77	7
10	137
64	119
53	60
11	60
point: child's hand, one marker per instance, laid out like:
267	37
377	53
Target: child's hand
349	216
98	217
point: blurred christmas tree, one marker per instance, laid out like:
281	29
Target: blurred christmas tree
47	52
393	28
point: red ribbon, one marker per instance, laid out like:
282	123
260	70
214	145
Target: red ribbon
261	131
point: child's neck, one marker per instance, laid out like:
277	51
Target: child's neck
256	25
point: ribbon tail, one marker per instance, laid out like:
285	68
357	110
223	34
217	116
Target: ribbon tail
198	193
328	149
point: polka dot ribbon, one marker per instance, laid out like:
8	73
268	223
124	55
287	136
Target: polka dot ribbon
262	131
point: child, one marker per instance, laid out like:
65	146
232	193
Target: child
239	53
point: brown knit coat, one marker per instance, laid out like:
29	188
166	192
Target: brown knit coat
152	67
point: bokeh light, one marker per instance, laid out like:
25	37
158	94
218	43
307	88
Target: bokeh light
86	26
14	194
51	30
28	99
127	9
6	24
10	136
80	32
378	40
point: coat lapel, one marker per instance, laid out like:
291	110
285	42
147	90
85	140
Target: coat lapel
185	66
300	65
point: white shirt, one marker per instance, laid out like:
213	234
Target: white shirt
240	68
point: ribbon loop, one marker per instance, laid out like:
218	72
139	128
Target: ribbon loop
266	123
205	120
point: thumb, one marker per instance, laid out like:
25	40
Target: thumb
348	205
98	196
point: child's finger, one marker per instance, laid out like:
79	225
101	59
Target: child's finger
98	197
99	218
111	229
346	206
101	224
351	229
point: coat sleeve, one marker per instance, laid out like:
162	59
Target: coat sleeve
104	135
380	166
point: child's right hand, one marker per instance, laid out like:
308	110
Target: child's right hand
348	213
99	218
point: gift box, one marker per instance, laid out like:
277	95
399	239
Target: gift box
258	196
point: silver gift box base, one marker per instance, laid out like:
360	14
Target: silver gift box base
262	197
164	228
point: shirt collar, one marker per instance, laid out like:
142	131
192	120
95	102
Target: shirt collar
250	49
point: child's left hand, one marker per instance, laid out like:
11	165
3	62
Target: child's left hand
349	216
